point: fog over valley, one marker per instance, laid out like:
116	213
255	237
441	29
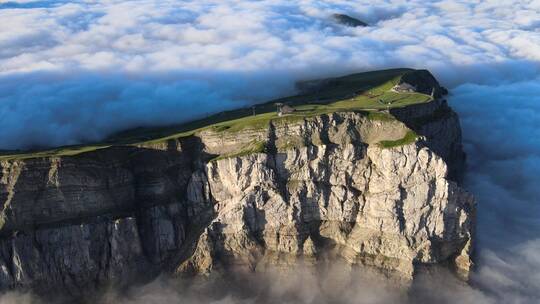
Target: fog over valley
93	68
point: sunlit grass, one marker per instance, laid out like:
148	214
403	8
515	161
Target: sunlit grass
409	138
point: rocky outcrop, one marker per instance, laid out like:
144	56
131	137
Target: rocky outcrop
347	20
423	82
322	186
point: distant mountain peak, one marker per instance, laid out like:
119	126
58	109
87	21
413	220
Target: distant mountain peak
348	20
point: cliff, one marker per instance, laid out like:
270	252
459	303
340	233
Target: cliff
346	184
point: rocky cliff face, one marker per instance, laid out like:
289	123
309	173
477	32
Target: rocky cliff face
322	186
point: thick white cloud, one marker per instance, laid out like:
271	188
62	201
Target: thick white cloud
92	49
501	124
74	71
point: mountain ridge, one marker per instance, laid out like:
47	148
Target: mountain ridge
290	190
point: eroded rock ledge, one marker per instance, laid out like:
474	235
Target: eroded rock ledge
189	206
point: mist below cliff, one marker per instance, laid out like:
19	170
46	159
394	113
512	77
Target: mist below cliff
335	283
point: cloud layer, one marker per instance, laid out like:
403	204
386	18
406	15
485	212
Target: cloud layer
73	71
502	137
76	71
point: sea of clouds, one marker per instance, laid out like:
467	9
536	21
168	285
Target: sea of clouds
77	71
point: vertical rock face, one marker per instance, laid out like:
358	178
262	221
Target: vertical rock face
324	186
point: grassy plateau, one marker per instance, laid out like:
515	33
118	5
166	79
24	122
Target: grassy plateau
368	92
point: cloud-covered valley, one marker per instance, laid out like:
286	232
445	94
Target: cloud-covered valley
77	71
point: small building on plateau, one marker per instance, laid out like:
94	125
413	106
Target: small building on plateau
404	88
283	109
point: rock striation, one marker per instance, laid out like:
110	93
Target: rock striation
323	186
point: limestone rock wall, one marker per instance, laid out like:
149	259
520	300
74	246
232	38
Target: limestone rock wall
323	187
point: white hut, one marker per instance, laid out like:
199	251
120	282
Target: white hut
404	88
284	109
